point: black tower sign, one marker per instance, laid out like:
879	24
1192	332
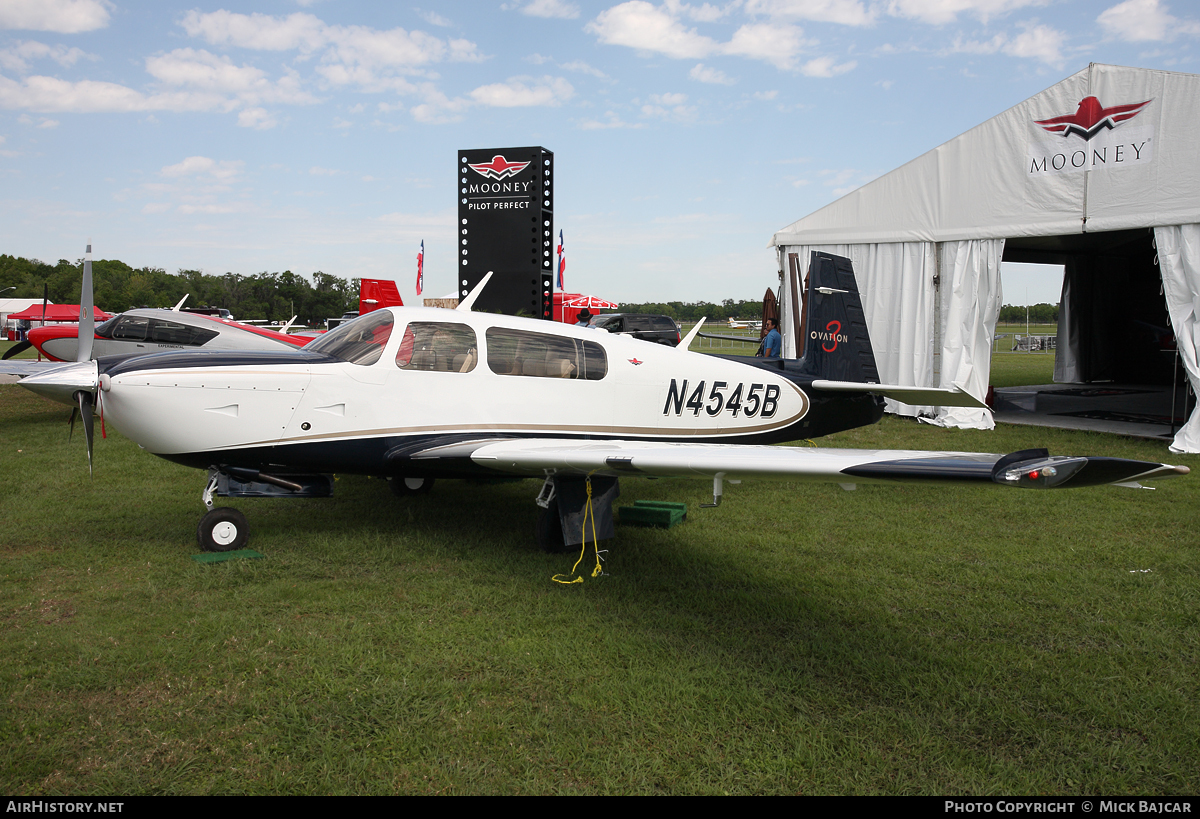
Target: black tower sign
506	225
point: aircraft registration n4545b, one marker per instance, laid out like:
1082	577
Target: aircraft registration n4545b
415	394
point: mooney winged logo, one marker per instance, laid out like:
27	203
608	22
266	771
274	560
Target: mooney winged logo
1091	118
499	168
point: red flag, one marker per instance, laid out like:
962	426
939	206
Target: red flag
421	268
562	260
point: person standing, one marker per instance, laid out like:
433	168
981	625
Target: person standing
772	345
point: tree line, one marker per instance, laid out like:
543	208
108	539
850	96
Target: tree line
696	310
119	287
1038	314
742	309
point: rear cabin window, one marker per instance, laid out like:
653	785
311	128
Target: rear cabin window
519	352
359	342
438	347
172	332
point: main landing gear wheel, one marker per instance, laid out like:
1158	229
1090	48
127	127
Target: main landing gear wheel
407	487
223	530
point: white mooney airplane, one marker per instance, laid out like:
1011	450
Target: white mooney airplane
414	394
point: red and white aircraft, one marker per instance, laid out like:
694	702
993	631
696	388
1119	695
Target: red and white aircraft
148	330
414	394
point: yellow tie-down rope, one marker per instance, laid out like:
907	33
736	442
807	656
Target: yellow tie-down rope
588	514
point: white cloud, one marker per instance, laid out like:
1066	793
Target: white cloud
1038	43
437	108
62	16
209	209
583	68
524	92
765	96
611	120
433	18
209	72
350	45
645	27
156	207
258	31
845	12
551	8
317	170
704	13
373	59
638	24
778	44
1035	42
17	57
224	170
48	123
669	107
257	118
843	181
824	67
703	73
940	12
48	94
1144	21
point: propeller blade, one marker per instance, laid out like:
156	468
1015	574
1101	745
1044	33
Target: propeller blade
89	434
74	415
16	349
87	314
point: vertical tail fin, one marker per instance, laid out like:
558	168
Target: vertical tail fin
376	293
833	334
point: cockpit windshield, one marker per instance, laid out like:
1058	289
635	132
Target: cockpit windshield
360	341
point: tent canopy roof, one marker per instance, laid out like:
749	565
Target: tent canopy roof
1109	148
56	312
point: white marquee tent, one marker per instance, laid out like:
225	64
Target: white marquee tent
1089	173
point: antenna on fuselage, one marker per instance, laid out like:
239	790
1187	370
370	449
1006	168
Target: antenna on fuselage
686	341
181	301
467	303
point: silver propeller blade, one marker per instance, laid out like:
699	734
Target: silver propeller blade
85	400
87	314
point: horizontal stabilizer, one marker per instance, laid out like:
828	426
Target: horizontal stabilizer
743	339
917	396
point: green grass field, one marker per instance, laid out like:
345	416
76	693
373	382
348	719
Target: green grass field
799	639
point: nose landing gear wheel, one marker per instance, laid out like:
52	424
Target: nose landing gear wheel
407	487
223	530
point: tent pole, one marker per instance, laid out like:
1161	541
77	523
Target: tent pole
937	314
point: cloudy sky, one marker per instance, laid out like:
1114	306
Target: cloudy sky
322	134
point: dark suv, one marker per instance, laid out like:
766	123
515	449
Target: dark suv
659	329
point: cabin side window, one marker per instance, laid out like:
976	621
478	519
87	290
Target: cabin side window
436	346
519	352
131	328
172	332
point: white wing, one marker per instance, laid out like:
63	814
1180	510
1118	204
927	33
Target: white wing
1031	468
